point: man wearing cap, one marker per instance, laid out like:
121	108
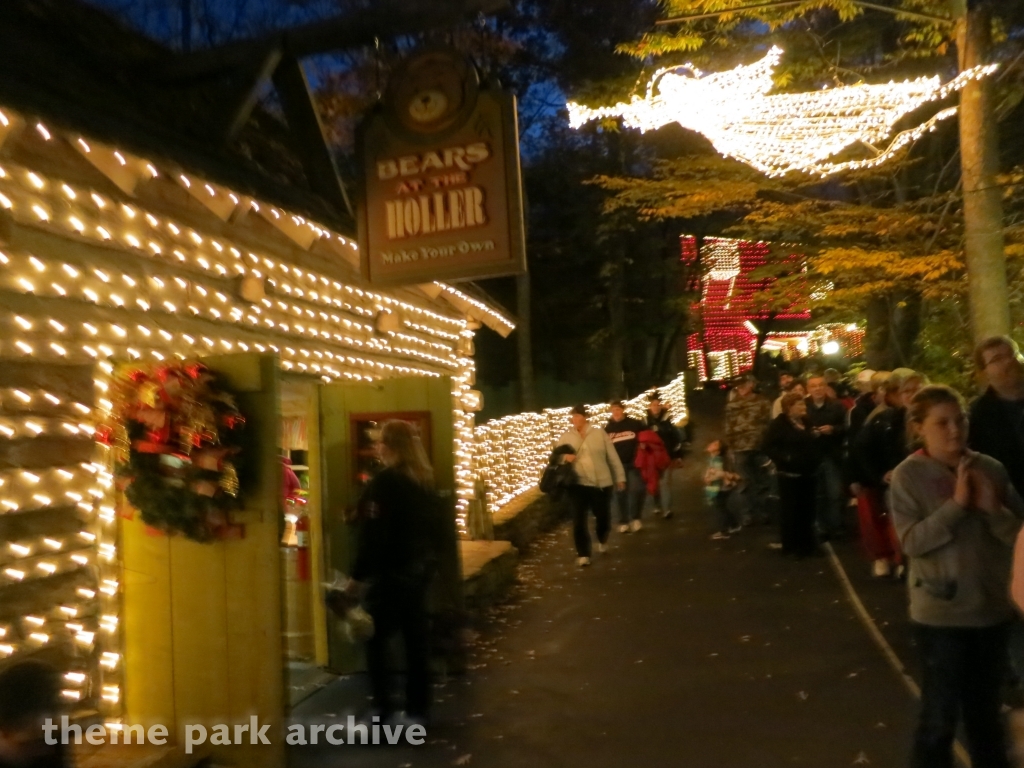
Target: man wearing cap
747	416
598	470
624	432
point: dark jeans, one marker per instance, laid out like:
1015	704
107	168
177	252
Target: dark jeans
831	497
630	502
725	517
399	610
796	514
753	494
964	669
586	499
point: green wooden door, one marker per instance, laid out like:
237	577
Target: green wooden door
203	621
338	403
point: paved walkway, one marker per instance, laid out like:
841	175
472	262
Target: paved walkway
671	650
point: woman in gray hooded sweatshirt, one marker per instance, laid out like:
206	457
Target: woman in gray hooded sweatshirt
598	468
957	516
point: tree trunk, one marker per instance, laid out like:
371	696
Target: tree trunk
662	372
762	336
877	350
904	327
616	326
979	159
524	343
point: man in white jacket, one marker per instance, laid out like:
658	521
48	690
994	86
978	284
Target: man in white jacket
598	468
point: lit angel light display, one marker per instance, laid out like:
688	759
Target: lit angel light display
782	132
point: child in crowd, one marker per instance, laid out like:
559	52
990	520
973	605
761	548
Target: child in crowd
718	486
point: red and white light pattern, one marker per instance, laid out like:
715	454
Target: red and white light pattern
731	304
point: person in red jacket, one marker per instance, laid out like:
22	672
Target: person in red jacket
652	460
660	421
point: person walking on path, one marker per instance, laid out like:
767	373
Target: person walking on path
653	462
826	417
397	555
747	415
718	486
997	417
957	515
624	432
660	421
598	469
794	448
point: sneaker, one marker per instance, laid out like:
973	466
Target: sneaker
636	525
735	529
719	536
880	568
775	545
900	572
602	548
582	561
624	528
667	514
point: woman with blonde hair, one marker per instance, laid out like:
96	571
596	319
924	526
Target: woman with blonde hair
397	556
793	447
957	515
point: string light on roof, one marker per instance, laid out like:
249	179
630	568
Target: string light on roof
86	213
784	132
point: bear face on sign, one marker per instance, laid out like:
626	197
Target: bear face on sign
432	92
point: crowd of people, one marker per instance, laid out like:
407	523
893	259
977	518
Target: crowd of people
936	486
627	464
937	489
822	445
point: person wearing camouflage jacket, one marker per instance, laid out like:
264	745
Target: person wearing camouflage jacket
747	415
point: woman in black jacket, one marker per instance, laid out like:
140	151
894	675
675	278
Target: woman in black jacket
880	447
397	555
791	444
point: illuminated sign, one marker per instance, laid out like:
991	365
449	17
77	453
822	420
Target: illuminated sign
442	191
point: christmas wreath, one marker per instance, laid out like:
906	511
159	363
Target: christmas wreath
176	433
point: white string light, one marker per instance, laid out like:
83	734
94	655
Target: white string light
784	132
118	300
511	452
